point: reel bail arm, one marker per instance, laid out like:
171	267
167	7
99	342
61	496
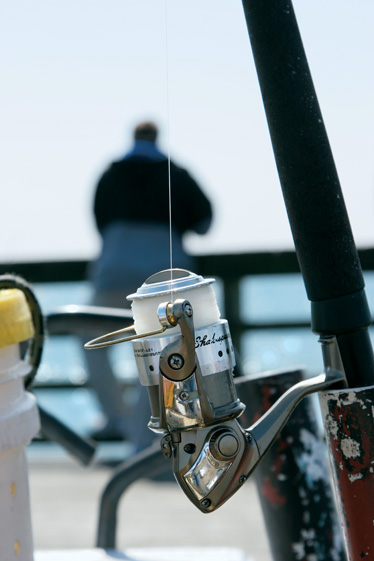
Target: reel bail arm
178	360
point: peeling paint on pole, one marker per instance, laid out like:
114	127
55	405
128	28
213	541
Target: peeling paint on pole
349	425
293	479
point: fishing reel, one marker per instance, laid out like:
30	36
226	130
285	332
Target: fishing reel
185	358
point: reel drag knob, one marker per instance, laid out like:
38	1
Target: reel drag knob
224	444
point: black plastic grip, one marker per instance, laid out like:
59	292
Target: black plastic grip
320	225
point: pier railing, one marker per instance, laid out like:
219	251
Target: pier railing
230	269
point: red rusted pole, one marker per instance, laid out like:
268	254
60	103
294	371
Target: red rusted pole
349	425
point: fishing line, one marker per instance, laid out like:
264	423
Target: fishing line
168	145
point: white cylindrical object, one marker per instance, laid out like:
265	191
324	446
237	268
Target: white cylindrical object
19	423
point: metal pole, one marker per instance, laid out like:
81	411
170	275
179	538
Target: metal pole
148	463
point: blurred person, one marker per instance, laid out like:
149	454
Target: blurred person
131	209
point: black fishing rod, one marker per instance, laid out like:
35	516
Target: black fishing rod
314	200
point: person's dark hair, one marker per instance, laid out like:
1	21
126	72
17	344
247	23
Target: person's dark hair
146	131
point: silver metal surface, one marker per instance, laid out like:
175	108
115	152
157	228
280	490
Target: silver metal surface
331	354
266	429
213	347
182	404
205	473
106	341
207	481
178	360
164	314
224	444
168	281
180	399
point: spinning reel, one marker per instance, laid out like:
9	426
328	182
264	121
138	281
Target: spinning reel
185	358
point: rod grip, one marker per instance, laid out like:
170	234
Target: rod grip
315	205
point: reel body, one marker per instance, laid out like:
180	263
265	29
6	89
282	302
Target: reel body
184	390
193	398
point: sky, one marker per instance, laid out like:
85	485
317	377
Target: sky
76	76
